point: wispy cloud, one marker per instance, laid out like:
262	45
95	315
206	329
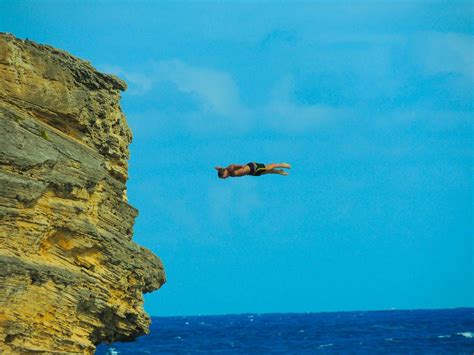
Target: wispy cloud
139	83
215	88
221	107
445	53
403	69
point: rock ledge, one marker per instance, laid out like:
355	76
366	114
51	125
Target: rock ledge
70	275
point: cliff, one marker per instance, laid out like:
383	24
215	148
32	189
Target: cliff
70	275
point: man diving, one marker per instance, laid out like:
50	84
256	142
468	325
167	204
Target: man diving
253	169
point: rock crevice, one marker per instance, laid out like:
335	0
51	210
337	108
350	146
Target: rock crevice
70	275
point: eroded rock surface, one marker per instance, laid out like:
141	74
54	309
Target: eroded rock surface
70	275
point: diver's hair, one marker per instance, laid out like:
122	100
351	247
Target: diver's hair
220	172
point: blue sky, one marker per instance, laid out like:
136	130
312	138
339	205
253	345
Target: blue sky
372	104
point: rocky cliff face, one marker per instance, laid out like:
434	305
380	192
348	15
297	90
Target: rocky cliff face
70	275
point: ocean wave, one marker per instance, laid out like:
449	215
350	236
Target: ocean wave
325	345
466	334
395	331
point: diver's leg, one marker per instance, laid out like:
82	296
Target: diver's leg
274	171
277	165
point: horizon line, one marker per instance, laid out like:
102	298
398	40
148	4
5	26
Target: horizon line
392	309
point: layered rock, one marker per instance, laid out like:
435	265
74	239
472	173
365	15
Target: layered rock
70	275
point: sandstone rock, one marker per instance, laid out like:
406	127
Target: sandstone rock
70	276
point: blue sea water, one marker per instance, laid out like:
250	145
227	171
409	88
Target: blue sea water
394	331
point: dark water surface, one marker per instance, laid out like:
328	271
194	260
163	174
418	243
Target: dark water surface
412	331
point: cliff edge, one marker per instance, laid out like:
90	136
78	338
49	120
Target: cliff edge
70	275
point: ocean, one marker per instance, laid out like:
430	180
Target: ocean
394	331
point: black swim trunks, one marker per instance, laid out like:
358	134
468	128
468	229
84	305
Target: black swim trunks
256	169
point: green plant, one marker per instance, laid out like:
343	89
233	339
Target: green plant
45	135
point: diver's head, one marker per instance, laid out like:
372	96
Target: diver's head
222	172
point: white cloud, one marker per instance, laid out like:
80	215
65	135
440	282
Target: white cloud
216	89
138	83
221	107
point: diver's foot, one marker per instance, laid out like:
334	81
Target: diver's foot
285	165
282	172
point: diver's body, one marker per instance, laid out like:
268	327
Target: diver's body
252	169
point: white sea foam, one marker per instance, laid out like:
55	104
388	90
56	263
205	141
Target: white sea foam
444	336
466	334
325	345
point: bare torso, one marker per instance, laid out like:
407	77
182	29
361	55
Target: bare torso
238	170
